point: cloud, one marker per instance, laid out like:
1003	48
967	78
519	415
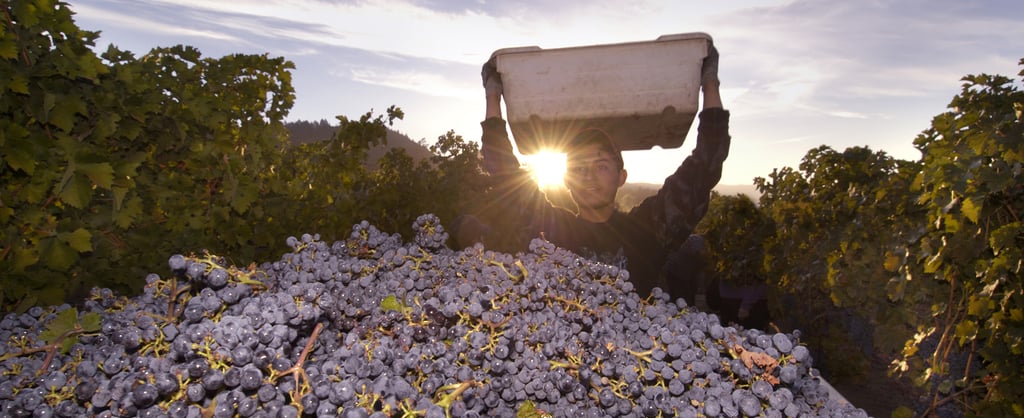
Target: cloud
789	140
852	48
886	63
432	84
134	21
846	114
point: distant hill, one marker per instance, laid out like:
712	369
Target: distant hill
734	189
631	194
301	132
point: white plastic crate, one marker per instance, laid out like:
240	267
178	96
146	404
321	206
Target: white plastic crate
643	94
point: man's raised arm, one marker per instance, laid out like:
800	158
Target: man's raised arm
683	200
495	144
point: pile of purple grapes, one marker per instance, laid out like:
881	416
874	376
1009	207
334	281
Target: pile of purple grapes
372	326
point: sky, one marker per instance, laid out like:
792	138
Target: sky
796	74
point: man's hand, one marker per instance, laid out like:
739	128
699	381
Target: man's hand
709	79
709	70
491	78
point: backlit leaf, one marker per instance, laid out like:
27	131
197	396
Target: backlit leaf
391	303
894	289
933	264
966	330
903	412
892	262
1005	236
978	306
970	210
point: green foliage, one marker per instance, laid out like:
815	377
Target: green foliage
62	332
828	255
59	173
103	156
736	235
330	188
972	189
930	252
171	152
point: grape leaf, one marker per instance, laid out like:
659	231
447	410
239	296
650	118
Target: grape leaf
64	112
903	412
67	343
58	255
102	174
391	303
119	194
126	215
18	154
970	210
90	322
244	196
529	410
892	262
61	324
80	240
18	84
8	49
1005	236
978	306
77	192
966	330
24	257
933	263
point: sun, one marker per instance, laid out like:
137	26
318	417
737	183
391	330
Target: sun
548	168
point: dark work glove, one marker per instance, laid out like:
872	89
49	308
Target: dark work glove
491	78
709	70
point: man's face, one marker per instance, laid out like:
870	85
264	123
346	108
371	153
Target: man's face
592	176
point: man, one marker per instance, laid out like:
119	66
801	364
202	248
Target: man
638	241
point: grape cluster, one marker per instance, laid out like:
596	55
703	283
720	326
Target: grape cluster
374	327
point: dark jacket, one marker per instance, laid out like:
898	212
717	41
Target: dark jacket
639	241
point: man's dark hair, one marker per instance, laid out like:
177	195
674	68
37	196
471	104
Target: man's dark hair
594	136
